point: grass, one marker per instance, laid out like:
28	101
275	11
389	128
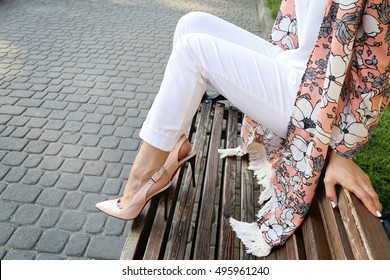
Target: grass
374	158
274	5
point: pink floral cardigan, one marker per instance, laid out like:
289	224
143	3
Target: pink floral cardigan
343	93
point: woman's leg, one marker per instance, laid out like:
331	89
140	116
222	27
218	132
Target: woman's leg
256	84
237	63
200	22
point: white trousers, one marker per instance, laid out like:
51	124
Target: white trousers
238	64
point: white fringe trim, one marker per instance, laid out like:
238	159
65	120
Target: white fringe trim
230	152
271	205
249	233
252	238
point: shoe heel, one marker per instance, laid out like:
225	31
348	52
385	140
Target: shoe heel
192	163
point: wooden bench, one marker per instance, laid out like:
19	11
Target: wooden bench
197	219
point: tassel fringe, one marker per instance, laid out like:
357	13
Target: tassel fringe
252	238
249	233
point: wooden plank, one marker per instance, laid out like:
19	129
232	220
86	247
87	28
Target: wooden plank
137	238
160	230
247	201
206	212
339	246
314	237
366	234
182	226
225	248
159	234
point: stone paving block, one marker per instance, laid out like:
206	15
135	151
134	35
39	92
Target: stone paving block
89	140
77	245
51	163
18	121
46	256
69	181
95	223
71	151
72	165
3	171
54	124
32	177
19	255
6	231
129	144
20	132
51	135
12	144
70	138
21	193
59	114
36	122
53	149
27	214
90	200
51	197
109	142
12	110
3	185
2	253
72	126
72	200
14	158
105	247
94	168
113	156
72	220
25	237
113	170
32	161
91	128
107	130
92	184
37	112
52	241
34	134
91	153
114	226
49	178
36	147
49	218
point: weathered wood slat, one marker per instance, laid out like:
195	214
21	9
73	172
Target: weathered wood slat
347	232
247	209
155	248
366	234
182	225
314	235
135	242
226	235
339	246
206	212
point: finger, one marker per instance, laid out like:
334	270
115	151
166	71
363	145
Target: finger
330	191
368	201
374	197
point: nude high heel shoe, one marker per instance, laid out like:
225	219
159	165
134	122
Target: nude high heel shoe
160	181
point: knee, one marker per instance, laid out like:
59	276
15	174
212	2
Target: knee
189	23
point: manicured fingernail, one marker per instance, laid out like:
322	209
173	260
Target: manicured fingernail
378	214
333	204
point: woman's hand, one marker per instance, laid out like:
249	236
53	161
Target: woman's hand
345	172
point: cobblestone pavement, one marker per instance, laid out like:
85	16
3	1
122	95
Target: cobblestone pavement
76	81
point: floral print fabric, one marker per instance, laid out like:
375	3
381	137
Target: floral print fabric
343	93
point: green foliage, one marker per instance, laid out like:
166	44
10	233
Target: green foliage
274	6
374	159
